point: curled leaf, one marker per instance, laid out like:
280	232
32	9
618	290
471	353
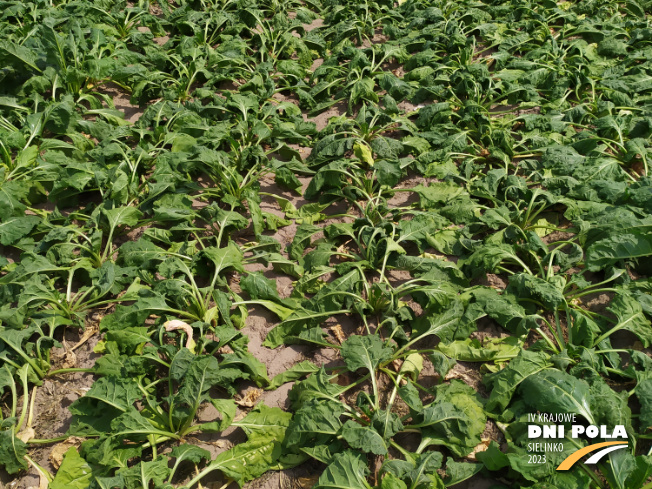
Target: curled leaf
412	365
176	324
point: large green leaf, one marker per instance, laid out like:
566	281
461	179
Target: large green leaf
346	471
315	423
504	383
634	244
553	391
364	352
123	216
145	474
264	421
528	286
293	373
444	325
456	419
249	460
14	228
116	392
74	473
363	438
630	317
12	452
22	53
202	374
223	258
644	394
471	350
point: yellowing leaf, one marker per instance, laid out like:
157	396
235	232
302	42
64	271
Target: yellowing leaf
363	153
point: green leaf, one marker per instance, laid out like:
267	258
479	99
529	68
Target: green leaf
123	216
265	422
492	457
457	472
300	320
630	317
142	254
390	481
528	286
301	241
133	424
644	394
363	89
412	365
624	470
114	391
487	258
15	228
419	470
282	312
318	385
129	340
227	409
250	364
11	194
346	471
442	325
441	363
553	391
363	438
12	452
144	474
364	352
386	423
609	407
202	374
471	350
437	193
608	251
249	460
456	419
295	372
74	473
284	177
223	258
502	308
503	384
315	423
259	287
20	53
192	453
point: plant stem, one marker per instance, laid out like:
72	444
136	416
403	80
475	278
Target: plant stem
153	444
545	337
614	329
42	471
69	370
587	292
23	413
560	332
592	475
204	473
47	441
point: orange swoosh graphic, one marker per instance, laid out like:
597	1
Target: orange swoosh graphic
574	457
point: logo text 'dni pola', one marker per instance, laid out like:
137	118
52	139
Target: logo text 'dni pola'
559	431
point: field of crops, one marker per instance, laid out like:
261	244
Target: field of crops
342	244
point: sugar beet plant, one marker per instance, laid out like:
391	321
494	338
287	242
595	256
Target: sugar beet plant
474	247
